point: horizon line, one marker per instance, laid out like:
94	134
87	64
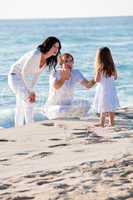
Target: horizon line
63	18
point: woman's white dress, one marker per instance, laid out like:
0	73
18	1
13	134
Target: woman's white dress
61	102
106	99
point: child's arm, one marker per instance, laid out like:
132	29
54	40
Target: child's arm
97	77
115	75
88	83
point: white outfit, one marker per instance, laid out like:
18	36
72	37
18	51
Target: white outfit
106	99
22	78
60	103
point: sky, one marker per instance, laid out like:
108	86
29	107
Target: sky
23	9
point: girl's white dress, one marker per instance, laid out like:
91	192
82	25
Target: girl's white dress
106	99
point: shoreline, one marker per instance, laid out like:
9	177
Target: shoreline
92	117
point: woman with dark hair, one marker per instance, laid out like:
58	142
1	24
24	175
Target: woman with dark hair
24	75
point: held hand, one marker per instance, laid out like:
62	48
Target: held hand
88	83
91	83
32	97
65	74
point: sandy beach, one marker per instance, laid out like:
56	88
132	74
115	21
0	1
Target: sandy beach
68	160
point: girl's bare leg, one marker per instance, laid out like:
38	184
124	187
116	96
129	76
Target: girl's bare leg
111	118
102	119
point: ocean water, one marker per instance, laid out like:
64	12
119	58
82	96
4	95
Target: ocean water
81	37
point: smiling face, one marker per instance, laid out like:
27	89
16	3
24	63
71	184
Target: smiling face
67	61
54	49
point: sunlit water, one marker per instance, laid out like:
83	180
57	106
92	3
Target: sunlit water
81	37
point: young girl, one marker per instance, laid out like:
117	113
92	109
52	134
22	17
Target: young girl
106	100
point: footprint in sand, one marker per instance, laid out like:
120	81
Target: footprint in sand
43	182
42	155
20	198
30	176
80	134
5	140
62	186
48	124
79	151
58	145
55	139
79	129
3	160
4	186
21	153
50	173
21	191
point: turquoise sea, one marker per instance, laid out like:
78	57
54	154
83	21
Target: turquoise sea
81	37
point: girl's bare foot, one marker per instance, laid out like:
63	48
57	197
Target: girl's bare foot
99	125
111	125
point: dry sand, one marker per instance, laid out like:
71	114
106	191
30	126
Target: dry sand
68	160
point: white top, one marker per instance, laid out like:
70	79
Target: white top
106	99
63	95
28	67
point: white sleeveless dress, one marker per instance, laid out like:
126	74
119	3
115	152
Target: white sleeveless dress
106	99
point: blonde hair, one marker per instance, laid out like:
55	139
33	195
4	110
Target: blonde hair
64	56
104	62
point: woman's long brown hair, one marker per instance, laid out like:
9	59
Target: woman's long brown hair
104	62
46	46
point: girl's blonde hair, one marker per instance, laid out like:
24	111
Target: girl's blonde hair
104	62
64	56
